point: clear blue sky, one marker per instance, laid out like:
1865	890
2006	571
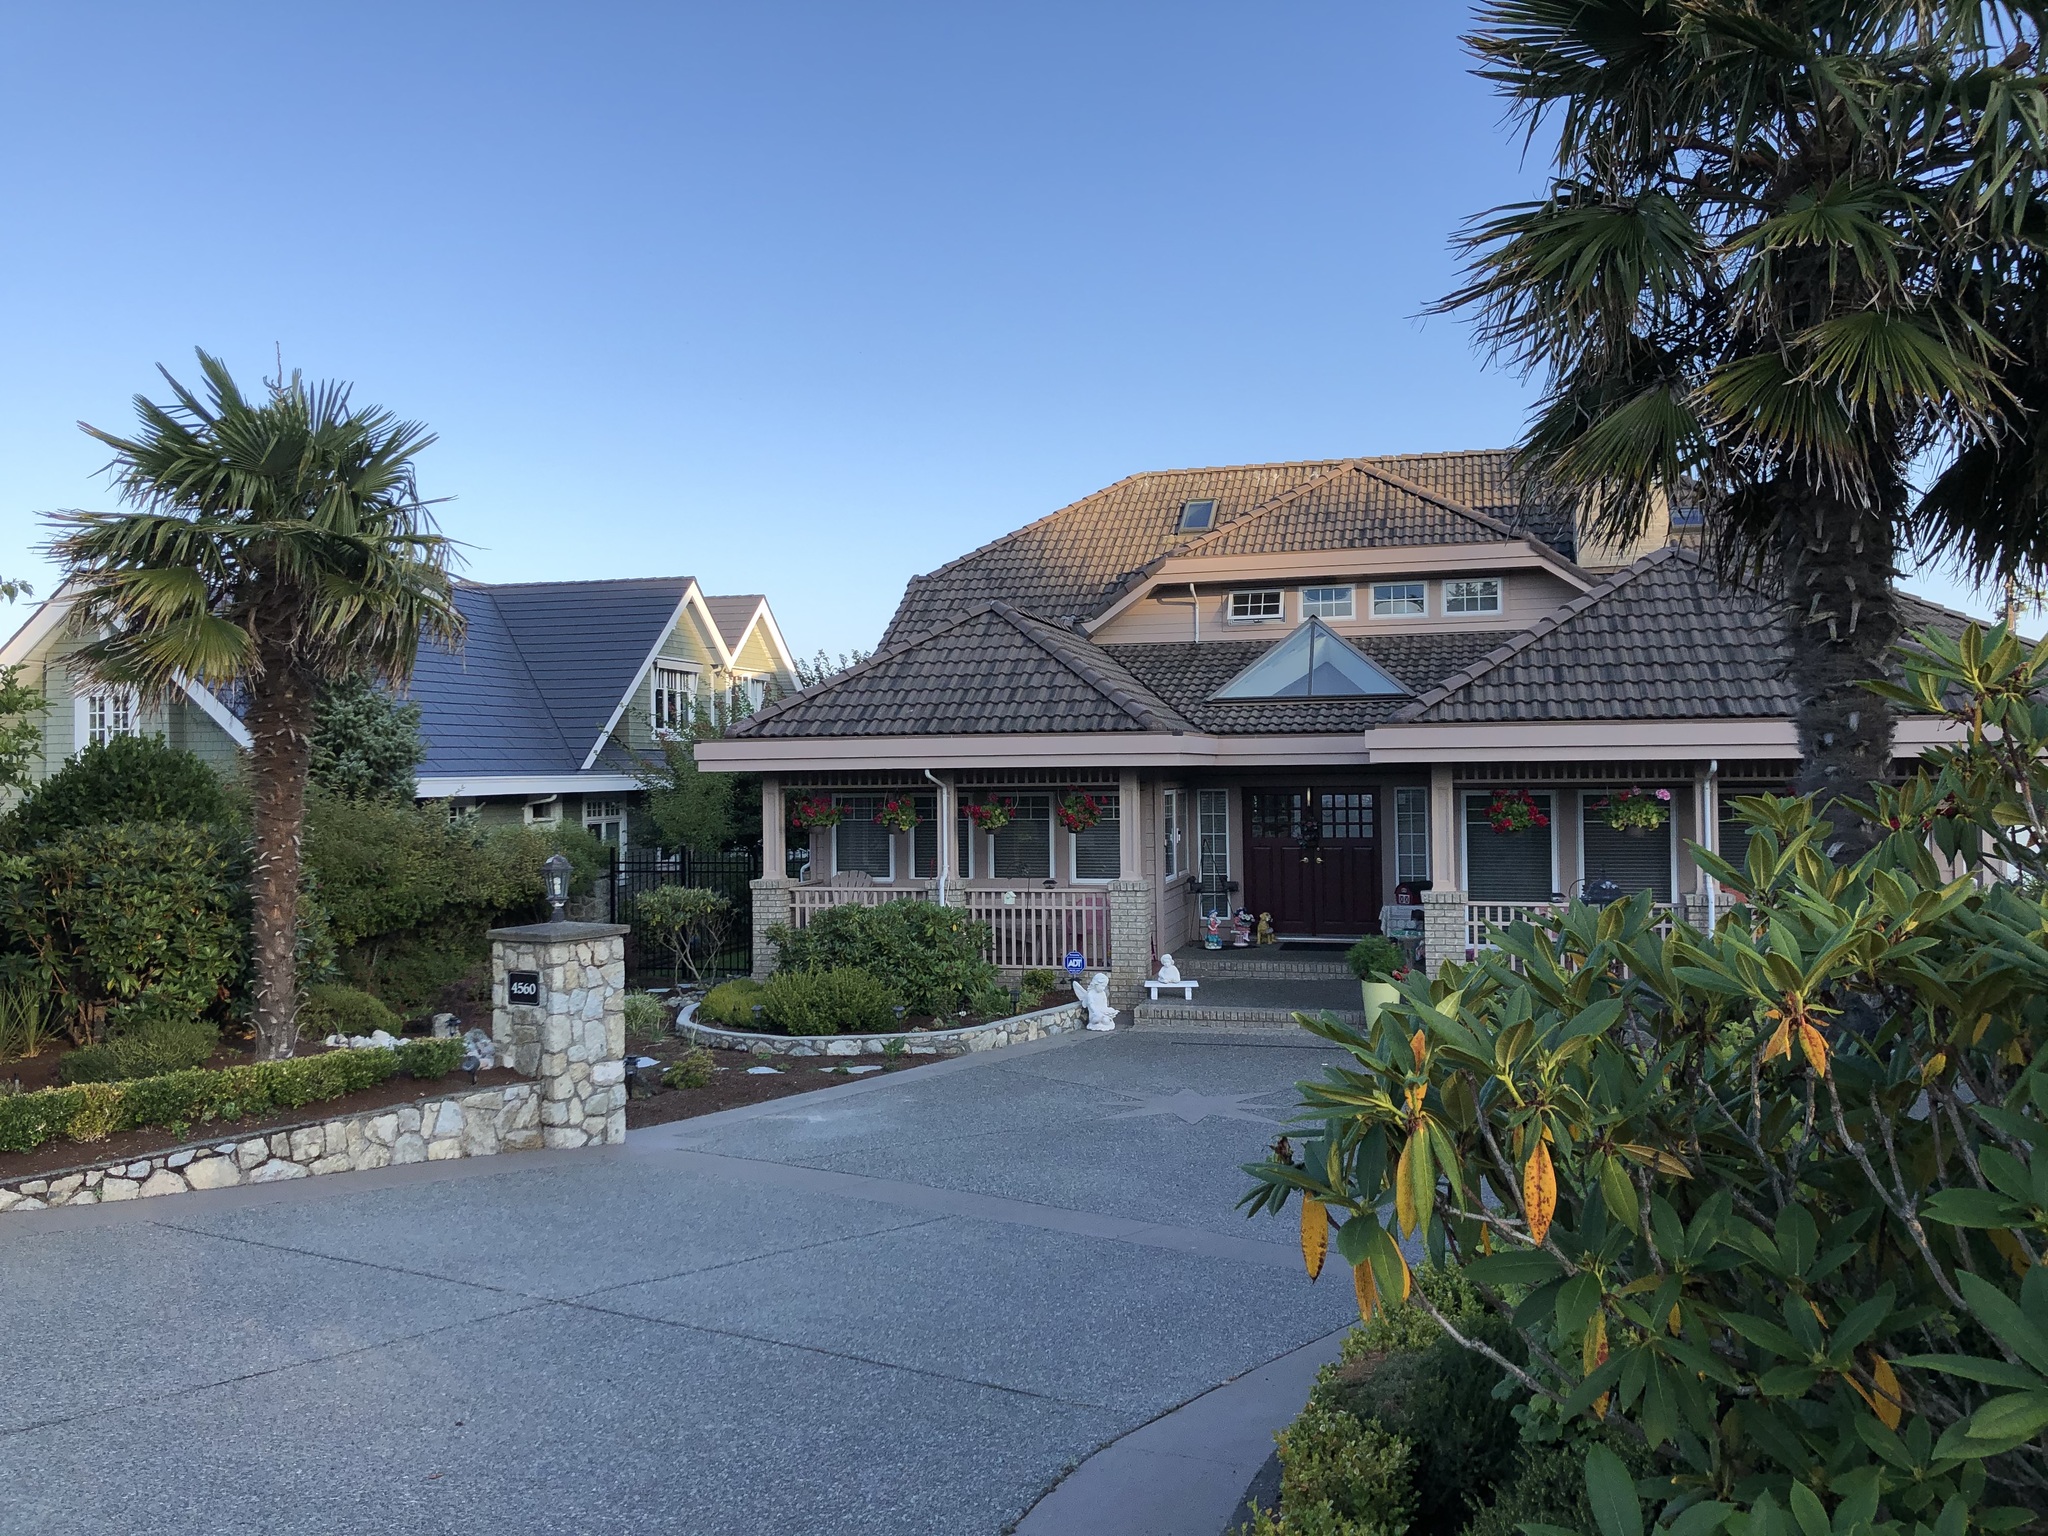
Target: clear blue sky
795	298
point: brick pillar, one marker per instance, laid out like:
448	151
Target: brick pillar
1130	938
1443	927
771	906
574	1037
1692	909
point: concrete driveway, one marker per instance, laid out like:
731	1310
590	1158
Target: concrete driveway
902	1306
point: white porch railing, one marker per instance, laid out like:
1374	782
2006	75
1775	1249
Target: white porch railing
1483	916
807	901
1036	929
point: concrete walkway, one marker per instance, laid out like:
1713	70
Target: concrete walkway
902	1306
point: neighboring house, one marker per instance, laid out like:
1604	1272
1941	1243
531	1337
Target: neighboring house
558	693
1293	688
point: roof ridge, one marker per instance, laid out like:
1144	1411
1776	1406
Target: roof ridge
1549	624
1081	666
1265	508
1448	503
886	653
593	581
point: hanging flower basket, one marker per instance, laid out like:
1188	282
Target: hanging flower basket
815	811
1512	810
989	815
1078	811
899	814
1635	811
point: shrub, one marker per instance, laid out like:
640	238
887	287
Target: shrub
1339	1476
129	778
691	1070
646	1017
932	955
1376	958
116	911
1037	986
25	1023
731	1004
991	1002
844	1001
689	923
366	744
429	1059
148	1049
334	1008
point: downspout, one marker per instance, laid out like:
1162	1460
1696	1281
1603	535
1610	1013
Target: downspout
1710	826
1194	607
944	830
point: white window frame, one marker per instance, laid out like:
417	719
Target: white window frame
1671	838
118	702
1480	584
660	672
1319	602
545	812
1214	802
1112	801
1465	830
1278	616
1411	591
1411	802
755	687
609	810
832	840
1173	833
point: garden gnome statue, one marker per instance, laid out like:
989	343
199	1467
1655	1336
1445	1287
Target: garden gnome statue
1168	971
1096	1000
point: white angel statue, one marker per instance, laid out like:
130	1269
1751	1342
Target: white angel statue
1096	1000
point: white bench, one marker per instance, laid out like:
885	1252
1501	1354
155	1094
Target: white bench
1184	986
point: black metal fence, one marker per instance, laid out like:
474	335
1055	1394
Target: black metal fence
730	874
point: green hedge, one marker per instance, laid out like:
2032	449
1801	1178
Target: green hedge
177	1100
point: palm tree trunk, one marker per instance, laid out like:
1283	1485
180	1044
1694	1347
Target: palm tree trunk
281	748
1836	552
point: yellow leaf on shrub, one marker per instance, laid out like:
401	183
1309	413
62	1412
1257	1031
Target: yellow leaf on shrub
1404	1196
1593	1348
1418	1047
1890	1400
1539	1191
2009	1245
1361	1282
1815	1048
1781	1043
1315	1235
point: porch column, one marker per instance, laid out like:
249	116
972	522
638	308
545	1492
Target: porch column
1130	814
1444	817
774	828
1130	938
1443	927
771	906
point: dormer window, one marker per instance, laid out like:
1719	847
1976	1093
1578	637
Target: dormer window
1400	600
1480	596
1312	663
1327	603
1197	516
675	690
1258	607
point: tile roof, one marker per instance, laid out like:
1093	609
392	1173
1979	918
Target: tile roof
541	669
993	670
1075	562
732	615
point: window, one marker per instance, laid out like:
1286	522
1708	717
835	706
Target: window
1257	607
1172	858
674	691
1411	834
1508	866
965	835
924	839
1400	600
544	813
1098	851
1327	603
753	689
1688	517
605	820
1635	863
1312	663
860	844
1197	516
1212	817
1023	849
1479	596
105	713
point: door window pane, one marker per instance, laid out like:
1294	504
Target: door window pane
1212	811
1023	849
1171	857
1345	816
859	845
1507	866
1274	812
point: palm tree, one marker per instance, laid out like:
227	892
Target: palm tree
277	544
1787	255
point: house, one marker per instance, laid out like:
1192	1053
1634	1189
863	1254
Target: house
557	694
1316	690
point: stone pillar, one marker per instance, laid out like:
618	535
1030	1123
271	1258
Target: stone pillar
771	906
574	1038
1444	933
1130	937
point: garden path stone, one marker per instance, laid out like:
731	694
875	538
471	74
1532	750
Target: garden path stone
905	1304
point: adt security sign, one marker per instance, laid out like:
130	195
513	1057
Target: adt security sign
1076	962
522	989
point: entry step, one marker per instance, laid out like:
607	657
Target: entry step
1196	1016
1262	964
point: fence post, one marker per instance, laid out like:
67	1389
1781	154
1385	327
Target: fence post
1130	936
572	1036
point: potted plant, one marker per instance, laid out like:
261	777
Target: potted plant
1378	963
1512	810
1078	810
989	815
899	814
1635	811
815	811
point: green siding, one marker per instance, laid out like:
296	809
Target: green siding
176	718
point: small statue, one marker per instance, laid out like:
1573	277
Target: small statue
1212	931
1241	929
1266	929
1096	1000
1168	971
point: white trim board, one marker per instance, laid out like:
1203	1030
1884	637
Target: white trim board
445	786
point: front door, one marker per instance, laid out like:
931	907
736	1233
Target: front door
1312	860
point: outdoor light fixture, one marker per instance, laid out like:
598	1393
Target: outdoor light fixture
556	874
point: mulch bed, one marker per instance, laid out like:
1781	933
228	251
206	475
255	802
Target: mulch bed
732	1085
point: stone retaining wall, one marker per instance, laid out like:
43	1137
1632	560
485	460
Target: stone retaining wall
473	1124
1056	1020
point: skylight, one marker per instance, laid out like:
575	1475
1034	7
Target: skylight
1311	663
1197	516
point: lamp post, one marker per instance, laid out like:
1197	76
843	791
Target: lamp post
555	873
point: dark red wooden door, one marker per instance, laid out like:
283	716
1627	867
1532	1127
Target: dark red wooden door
1312	860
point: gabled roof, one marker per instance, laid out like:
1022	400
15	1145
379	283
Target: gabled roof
734	617
1077	561
993	670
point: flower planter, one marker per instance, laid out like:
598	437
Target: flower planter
1377	995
